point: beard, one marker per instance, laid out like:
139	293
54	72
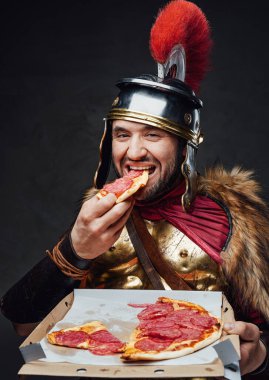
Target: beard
158	190
173	177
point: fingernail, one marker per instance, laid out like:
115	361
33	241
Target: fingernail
228	326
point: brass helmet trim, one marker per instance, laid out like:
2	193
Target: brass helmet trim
156	121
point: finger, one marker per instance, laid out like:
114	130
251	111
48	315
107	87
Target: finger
114	216
97	207
113	233
117	231
116	228
246	331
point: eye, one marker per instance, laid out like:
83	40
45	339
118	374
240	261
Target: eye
153	136
120	135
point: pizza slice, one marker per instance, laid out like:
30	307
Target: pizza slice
92	336
170	329
126	186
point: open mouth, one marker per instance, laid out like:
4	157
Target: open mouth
150	169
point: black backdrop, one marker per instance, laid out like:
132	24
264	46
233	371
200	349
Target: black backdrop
59	63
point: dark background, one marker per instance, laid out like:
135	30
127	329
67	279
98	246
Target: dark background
59	63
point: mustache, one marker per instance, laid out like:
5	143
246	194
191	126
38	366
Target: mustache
144	159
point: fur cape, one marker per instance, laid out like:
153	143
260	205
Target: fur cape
246	258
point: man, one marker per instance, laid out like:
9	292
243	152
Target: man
211	231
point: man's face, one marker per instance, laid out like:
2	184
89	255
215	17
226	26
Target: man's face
137	146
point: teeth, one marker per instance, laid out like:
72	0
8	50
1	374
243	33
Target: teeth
140	168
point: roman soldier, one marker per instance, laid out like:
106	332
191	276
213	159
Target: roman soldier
183	230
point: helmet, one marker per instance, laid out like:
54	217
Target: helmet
167	100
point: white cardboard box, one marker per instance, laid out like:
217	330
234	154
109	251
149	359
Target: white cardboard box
65	313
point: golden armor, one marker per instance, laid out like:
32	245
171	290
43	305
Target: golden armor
119	267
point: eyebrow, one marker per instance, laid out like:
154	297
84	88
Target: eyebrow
121	129
118	129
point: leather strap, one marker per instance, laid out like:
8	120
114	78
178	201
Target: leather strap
149	269
150	257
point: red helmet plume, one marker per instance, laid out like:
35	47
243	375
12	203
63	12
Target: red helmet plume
182	22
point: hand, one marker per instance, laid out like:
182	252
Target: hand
253	351
99	224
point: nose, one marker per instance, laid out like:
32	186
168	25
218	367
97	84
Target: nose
136	149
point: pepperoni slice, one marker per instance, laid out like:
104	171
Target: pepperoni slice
184	319
102	342
163	324
72	338
134	173
188	334
162	333
119	186
109	348
104	336
137	305
203	321
189	325
155	311
148	344
122	184
181	314
157	323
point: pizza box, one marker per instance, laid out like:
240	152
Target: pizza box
110	307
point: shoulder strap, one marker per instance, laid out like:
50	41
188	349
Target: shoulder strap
142	255
150	257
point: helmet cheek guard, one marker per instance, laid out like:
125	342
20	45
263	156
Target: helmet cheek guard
105	149
188	168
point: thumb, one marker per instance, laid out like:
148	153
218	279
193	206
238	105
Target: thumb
246	331
229	327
